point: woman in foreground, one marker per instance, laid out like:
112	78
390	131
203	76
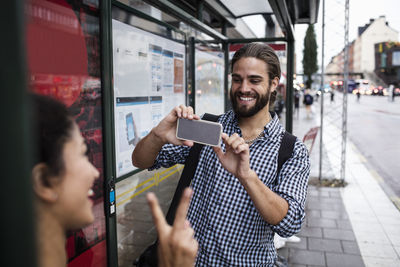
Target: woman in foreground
62	179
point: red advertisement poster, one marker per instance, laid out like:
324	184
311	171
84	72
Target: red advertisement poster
63	53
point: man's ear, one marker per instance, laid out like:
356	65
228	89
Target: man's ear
43	188
274	83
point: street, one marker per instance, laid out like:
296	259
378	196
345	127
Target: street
374	127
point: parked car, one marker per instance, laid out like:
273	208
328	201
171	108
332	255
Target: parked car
396	91
379	90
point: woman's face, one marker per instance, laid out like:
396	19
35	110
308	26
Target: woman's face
75	188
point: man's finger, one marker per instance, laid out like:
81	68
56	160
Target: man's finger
183	207
218	151
156	212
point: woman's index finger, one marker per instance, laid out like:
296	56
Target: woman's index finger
156	212
183	207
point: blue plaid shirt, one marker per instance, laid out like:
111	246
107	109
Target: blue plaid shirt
228	227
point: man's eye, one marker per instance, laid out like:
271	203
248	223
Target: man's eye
236	80
255	81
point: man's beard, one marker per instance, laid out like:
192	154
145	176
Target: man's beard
245	112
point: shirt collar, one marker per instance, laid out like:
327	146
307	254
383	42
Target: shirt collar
272	129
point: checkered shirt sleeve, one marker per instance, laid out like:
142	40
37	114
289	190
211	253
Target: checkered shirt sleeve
292	186
170	155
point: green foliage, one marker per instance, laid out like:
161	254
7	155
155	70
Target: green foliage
310	55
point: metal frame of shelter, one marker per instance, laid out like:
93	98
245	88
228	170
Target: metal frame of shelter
17	223
280	11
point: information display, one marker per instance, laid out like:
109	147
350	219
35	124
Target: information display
149	81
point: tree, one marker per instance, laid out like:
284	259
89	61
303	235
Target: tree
310	55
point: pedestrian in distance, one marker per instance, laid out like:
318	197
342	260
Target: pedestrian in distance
63	177
308	101
297	103
392	92
358	95
239	200
332	96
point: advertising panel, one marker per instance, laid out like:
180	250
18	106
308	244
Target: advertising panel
63	56
149	81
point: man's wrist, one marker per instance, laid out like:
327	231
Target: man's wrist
249	177
156	138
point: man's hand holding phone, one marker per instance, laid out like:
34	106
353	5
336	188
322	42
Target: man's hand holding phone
165	131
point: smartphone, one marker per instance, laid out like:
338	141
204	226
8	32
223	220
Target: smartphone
130	128
199	131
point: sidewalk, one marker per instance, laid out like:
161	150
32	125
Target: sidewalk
356	225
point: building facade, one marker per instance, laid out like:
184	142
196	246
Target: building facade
378	30
362	49
387	59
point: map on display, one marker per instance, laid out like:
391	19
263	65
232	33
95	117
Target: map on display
149	80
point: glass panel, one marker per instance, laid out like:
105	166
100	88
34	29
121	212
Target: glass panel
240	7
135	227
396	58
383	60
63	51
210	71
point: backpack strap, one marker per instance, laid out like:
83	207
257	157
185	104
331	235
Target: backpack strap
188	172
285	150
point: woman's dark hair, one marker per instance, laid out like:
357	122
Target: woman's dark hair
53	126
265	53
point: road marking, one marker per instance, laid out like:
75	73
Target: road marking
376	176
396	201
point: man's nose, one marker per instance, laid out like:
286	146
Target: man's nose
245	86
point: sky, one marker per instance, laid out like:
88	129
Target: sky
360	12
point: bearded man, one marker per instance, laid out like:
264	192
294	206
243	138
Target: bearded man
240	200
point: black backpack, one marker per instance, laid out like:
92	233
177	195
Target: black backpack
308	99
149	257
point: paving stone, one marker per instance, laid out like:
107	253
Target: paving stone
322	194
343	260
338	234
320	244
313	193
350	247
329	189
310	232
329	214
325	206
344	224
313	213
335	194
325	200
284	252
321	222
306	257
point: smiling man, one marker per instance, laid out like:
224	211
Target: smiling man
240	200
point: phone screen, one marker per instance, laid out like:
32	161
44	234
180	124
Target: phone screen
200	131
130	127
